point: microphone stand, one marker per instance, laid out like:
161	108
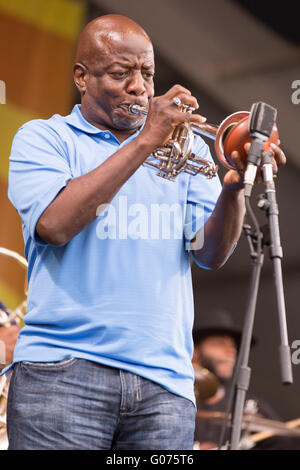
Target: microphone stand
268	235
271	209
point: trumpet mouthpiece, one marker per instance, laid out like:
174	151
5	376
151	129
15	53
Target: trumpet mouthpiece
137	109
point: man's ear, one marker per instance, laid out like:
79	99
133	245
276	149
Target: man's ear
79	74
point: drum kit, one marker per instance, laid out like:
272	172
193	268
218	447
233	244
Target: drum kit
255	427
7	318
4	383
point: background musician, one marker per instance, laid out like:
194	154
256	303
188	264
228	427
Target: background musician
217	340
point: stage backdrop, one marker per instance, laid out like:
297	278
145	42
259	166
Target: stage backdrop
37	43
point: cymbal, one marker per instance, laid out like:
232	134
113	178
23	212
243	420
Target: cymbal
206	384
252	423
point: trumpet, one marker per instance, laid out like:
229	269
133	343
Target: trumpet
176	155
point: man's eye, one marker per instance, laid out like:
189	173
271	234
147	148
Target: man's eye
148	75
119	74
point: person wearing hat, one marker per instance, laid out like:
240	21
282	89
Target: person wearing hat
216	344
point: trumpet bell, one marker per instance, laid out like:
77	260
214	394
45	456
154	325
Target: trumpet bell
233	133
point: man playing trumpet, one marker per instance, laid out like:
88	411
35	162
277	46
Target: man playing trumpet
107	344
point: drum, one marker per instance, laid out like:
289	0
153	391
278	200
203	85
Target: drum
4	385
7	318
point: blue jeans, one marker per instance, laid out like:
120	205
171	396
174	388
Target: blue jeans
79	404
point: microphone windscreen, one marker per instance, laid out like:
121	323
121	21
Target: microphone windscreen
262	119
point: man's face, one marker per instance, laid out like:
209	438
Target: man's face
218	354
120	73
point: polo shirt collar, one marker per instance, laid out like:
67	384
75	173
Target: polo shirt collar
77	120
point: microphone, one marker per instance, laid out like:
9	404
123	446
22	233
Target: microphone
261	122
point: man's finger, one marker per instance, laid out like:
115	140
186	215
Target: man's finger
238	163
279	155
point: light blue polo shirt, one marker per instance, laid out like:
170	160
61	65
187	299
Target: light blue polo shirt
120	292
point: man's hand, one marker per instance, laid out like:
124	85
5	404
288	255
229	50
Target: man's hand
235	178
164	115
224	227
8	338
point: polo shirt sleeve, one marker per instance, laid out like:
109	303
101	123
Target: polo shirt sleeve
38	170
202	196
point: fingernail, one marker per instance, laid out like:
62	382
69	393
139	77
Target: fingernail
204	119
274	146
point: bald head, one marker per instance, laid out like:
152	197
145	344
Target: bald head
114	68
100	34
